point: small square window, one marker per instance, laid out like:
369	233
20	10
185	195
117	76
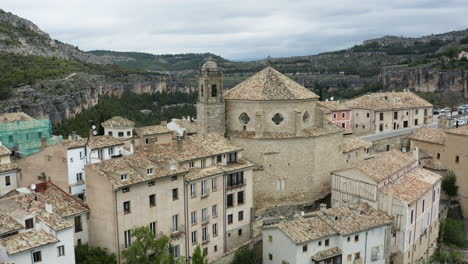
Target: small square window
29	223
320	243
125	189
150	183
126	207
327	242
173	177
356	238
61	251
304	248
124	177
37	257
270	239
270	256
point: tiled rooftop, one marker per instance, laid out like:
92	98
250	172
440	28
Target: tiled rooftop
118	121
333	221
134	166
411	186
190	126
269	85
351	143
95	142
14	117
22	205
190	148
4	150
26	241
62	203
388	101
8	167
429	134
152	130
462	131
198	173
385	164
8	224
333	106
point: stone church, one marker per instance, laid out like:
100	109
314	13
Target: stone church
282	130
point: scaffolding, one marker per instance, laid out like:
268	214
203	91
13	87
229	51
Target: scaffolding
27	137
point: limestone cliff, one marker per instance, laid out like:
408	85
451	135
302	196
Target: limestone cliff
425	80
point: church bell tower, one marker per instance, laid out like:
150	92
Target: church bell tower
210	105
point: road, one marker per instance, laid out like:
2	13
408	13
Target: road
399	132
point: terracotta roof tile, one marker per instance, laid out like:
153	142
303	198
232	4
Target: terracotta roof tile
14	117
8	224
385	164
351	143
151	130
333	105
388	101
462	131
118	121
26	241
95	142
62	203
328	253
190	148
429	134
269	84
190	126
333	221
198	173
8	167
411	186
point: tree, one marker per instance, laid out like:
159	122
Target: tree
88	255
198	257
245	255
146	248
449	185
445	255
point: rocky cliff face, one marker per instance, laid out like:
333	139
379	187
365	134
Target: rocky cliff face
62	99
425	80
21	36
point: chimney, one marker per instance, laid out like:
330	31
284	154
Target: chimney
323	207
164	123
91	133
73	135
179	143
48	208
42	177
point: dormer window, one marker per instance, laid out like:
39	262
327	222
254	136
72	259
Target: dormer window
124	177
149	171
29	223
173	166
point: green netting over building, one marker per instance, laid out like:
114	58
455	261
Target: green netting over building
23	135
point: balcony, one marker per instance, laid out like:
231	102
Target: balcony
178	232
235	186
206	220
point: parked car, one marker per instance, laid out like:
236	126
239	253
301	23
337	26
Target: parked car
445	110
461	122
435	112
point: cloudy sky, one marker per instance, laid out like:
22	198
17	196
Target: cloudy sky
236	29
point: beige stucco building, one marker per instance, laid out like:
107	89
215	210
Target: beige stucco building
394	182
278	124
197	190
381	112
447	149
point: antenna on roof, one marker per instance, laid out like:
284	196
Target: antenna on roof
33	186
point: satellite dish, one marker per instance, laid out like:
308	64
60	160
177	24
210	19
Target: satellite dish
94	132
33	186
302	213
93	127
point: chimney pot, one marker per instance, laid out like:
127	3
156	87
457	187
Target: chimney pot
323	207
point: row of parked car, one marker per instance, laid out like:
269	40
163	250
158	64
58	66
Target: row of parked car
461	110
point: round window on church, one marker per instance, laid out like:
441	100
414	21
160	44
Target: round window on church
244	118
277	119
306	117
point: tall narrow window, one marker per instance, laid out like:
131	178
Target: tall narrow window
152	200
203	188
7	180
214	90
204	234
201	89
126	207
175	194
306	117
128	238
214	211
78	224
61	250
37	257
204	215
240	197
194	217
175	223
215	229
193	190
153	227
214	185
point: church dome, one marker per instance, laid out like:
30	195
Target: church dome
210	66
269	85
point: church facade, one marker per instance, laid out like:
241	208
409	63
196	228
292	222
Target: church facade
277	122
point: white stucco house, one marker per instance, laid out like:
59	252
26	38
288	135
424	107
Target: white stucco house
348	235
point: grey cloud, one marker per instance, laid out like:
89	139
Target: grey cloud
236	29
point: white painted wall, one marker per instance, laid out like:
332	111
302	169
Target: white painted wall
127	131
284	249
13	181
76	163
84	234
49	252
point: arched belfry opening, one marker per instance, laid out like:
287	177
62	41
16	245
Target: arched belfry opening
214	91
